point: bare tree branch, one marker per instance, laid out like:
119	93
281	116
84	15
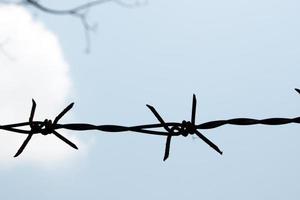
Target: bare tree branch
80	12
3	50
80	8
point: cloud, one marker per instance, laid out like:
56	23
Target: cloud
32	65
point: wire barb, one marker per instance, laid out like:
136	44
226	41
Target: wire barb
32	126
45	128
171	129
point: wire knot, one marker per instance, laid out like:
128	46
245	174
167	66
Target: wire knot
48	127
185	128
45	128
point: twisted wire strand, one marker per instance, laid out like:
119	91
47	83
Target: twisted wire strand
248	121
171	129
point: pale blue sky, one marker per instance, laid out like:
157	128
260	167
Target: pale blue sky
241	59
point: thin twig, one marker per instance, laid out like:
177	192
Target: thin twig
3	51
80	12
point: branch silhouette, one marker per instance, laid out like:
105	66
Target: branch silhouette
171	129
80	12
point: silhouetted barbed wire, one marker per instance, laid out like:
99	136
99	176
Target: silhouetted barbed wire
171	129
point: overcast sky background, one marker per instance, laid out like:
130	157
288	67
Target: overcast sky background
241	59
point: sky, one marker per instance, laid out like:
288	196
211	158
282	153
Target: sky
240	58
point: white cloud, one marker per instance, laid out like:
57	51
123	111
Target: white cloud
31	66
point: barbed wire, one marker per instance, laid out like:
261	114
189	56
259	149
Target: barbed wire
171	129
